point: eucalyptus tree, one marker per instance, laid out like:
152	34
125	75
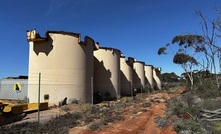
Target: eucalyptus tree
207	43
211	32
188	46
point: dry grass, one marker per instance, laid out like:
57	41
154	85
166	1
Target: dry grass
82	114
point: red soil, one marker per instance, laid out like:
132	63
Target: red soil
140	123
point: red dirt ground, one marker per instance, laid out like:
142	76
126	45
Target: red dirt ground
140	123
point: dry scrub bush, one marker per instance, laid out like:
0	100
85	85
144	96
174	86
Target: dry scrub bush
188	126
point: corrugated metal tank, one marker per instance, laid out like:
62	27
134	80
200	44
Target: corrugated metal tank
126	69
8	91
65	64
156	77
139	75
107	72
149	76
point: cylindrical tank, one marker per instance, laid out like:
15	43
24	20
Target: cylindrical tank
139	75
149	76
107	72
126	70
65	65
156	77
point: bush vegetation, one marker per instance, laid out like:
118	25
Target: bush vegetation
188	127
78	114
203	96
187	107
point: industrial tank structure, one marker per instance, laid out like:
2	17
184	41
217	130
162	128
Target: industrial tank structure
107	72
156	77
62	64
139	75
126	69
149	76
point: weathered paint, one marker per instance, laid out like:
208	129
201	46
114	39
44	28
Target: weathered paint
139	76
156	76
149	76
107	72
65	64
126	69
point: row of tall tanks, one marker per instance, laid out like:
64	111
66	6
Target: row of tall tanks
62	66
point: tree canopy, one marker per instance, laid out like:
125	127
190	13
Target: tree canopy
198	51
181	58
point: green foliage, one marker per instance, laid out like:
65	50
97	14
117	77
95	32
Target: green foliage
95	126
194	110
161	50
188	46
204	96
216	128
207	90
146	104
162	122
211	104
187	125
181	58
188	40
181	106
169	77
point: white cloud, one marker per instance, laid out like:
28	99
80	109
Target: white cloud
55	5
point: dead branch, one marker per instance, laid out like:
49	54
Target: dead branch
212	112
211	115
216	119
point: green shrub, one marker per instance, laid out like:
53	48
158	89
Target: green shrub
207	90
179	107
194	110
216	128
146	104
211	104
110	119
95	126
188	125
162	122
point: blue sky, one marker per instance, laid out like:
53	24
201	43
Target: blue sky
136	27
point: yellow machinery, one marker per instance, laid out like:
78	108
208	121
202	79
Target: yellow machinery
11	112
21	108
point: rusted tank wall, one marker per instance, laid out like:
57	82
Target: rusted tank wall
107	72
65	64
139	76
156	76
126	69
149	76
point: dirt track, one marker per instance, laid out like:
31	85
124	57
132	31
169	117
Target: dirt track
139	123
